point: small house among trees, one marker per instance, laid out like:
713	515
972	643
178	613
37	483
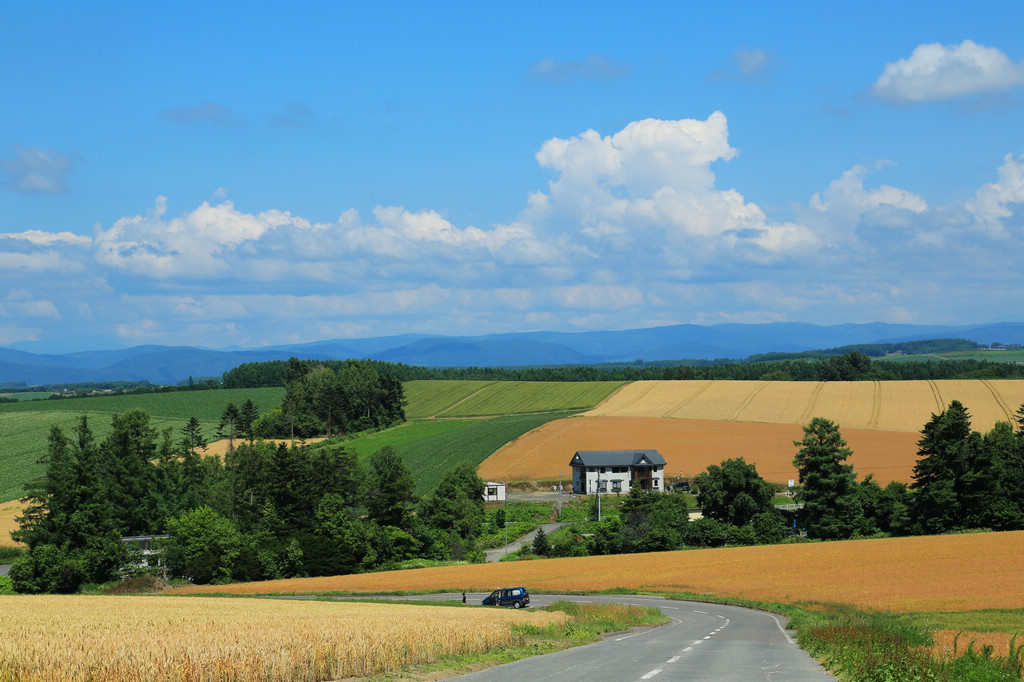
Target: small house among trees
494	492
615	471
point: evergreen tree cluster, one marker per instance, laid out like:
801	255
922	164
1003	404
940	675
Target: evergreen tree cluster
333	398
266	511
962	480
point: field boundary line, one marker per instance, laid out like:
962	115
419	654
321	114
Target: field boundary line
746	401
686	403
939	405
611	395
876	408
650	386
811	402
474	393
999	400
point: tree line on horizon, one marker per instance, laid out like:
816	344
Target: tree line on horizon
851	366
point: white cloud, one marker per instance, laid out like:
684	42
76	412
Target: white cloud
40	238
37	170
632	229
936	72
847	197
653	180
996	202
199	245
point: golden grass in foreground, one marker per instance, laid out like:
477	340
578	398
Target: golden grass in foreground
220	447
8	512
950	644
948	572
158	638
883	405
690	445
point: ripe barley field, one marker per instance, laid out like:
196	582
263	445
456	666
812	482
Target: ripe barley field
874	405
690	445
933	573
156	638
8	512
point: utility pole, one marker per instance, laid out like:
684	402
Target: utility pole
598	495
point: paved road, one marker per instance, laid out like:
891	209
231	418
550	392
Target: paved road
499	552
703	642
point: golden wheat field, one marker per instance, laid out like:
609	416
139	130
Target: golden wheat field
159	638
8	512
939	573
877	405
690	445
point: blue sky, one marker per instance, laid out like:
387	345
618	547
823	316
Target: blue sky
245	174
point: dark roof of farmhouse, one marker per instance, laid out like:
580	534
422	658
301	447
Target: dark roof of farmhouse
617	458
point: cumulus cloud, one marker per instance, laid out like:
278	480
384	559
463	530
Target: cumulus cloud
997	203
936	72
632	229
198	244
652	182
37	170
594	67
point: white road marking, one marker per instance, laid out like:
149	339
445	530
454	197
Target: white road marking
651	674
783	630
704	612
674	659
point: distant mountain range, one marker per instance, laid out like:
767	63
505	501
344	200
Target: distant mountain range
170	365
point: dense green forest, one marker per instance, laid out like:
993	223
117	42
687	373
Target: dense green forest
267	511
849	366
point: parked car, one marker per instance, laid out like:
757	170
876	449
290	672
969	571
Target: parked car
680	487
516	597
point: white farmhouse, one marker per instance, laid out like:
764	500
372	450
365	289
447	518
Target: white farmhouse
494	492
615	471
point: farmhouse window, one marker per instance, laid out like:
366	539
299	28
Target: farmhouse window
492	490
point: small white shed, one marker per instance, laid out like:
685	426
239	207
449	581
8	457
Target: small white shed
494	492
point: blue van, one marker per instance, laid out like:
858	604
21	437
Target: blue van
516	597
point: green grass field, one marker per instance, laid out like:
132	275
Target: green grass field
489	398
989	355
982	620
27	395
24	426
430	448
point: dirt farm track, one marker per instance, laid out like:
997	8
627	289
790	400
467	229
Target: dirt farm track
697	423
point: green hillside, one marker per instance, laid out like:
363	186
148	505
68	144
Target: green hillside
430	448
438	435
490	398
24	426
1011	356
